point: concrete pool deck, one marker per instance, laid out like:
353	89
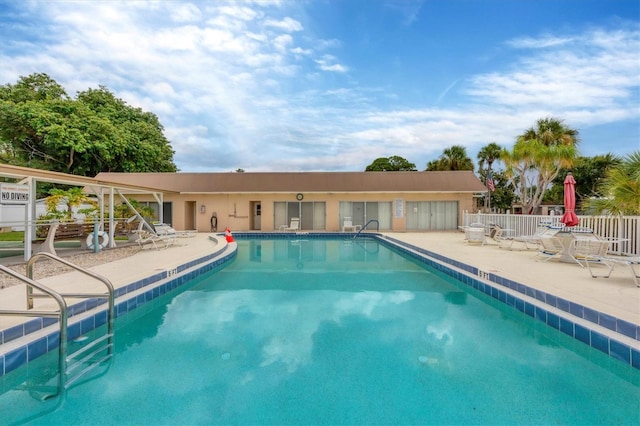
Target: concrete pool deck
616	296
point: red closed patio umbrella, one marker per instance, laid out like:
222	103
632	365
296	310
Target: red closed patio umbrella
569	217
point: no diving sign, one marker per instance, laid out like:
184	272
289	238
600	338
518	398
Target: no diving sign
14	194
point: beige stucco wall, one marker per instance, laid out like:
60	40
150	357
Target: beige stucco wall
235	210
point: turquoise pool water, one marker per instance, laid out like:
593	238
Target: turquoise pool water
330	332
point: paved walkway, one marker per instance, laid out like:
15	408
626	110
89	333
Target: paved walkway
616	296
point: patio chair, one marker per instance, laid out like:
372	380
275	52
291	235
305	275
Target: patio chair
533	239
585	249
163	234
169	231
148	238
552	248
347	224
611	262
475	233
293	226
504	237
166	232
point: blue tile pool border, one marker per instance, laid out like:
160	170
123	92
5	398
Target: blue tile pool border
610	346
32	350
466	274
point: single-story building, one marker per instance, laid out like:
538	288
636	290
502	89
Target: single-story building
394	201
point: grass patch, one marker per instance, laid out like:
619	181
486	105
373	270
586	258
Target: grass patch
12	236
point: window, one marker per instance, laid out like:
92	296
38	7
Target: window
431	215
312	214
362	212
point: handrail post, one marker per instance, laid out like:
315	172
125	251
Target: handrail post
365	227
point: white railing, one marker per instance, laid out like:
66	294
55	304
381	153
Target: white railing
625	229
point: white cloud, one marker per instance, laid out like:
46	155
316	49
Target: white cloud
240	12
237	77
596	72
326	44
287	24
538	42
181	38
185	12
326	63
282	41
300	51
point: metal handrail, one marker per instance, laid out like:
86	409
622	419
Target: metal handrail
110	296
63	362
365	227
92	274
61	314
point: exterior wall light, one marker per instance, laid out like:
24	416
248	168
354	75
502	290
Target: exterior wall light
203	208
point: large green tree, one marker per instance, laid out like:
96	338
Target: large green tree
42	127
589	173
620	189
391	164
503	196
537	158
452	158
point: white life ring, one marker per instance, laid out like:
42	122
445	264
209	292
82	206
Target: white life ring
103	239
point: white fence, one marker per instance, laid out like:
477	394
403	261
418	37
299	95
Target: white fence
625	229
13	216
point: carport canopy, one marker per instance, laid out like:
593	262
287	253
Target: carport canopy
29	178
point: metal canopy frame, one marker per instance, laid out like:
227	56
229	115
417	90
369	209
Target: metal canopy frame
99	187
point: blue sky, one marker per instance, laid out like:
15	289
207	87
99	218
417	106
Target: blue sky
331	85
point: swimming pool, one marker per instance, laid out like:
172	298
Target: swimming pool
337	332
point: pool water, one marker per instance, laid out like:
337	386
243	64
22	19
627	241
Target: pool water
329	332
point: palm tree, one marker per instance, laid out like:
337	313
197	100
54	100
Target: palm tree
621	189
71	198
453	158
488	154
539	153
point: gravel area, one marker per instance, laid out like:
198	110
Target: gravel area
48	268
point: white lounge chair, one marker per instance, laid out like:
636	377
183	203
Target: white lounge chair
532	240
148	238
167	230
164	234
293	226
347	224
589	248
611	262
504	237
552	248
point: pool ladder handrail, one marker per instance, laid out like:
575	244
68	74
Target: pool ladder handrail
365	227
65	364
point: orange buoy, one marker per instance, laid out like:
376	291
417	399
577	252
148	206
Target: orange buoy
227	235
